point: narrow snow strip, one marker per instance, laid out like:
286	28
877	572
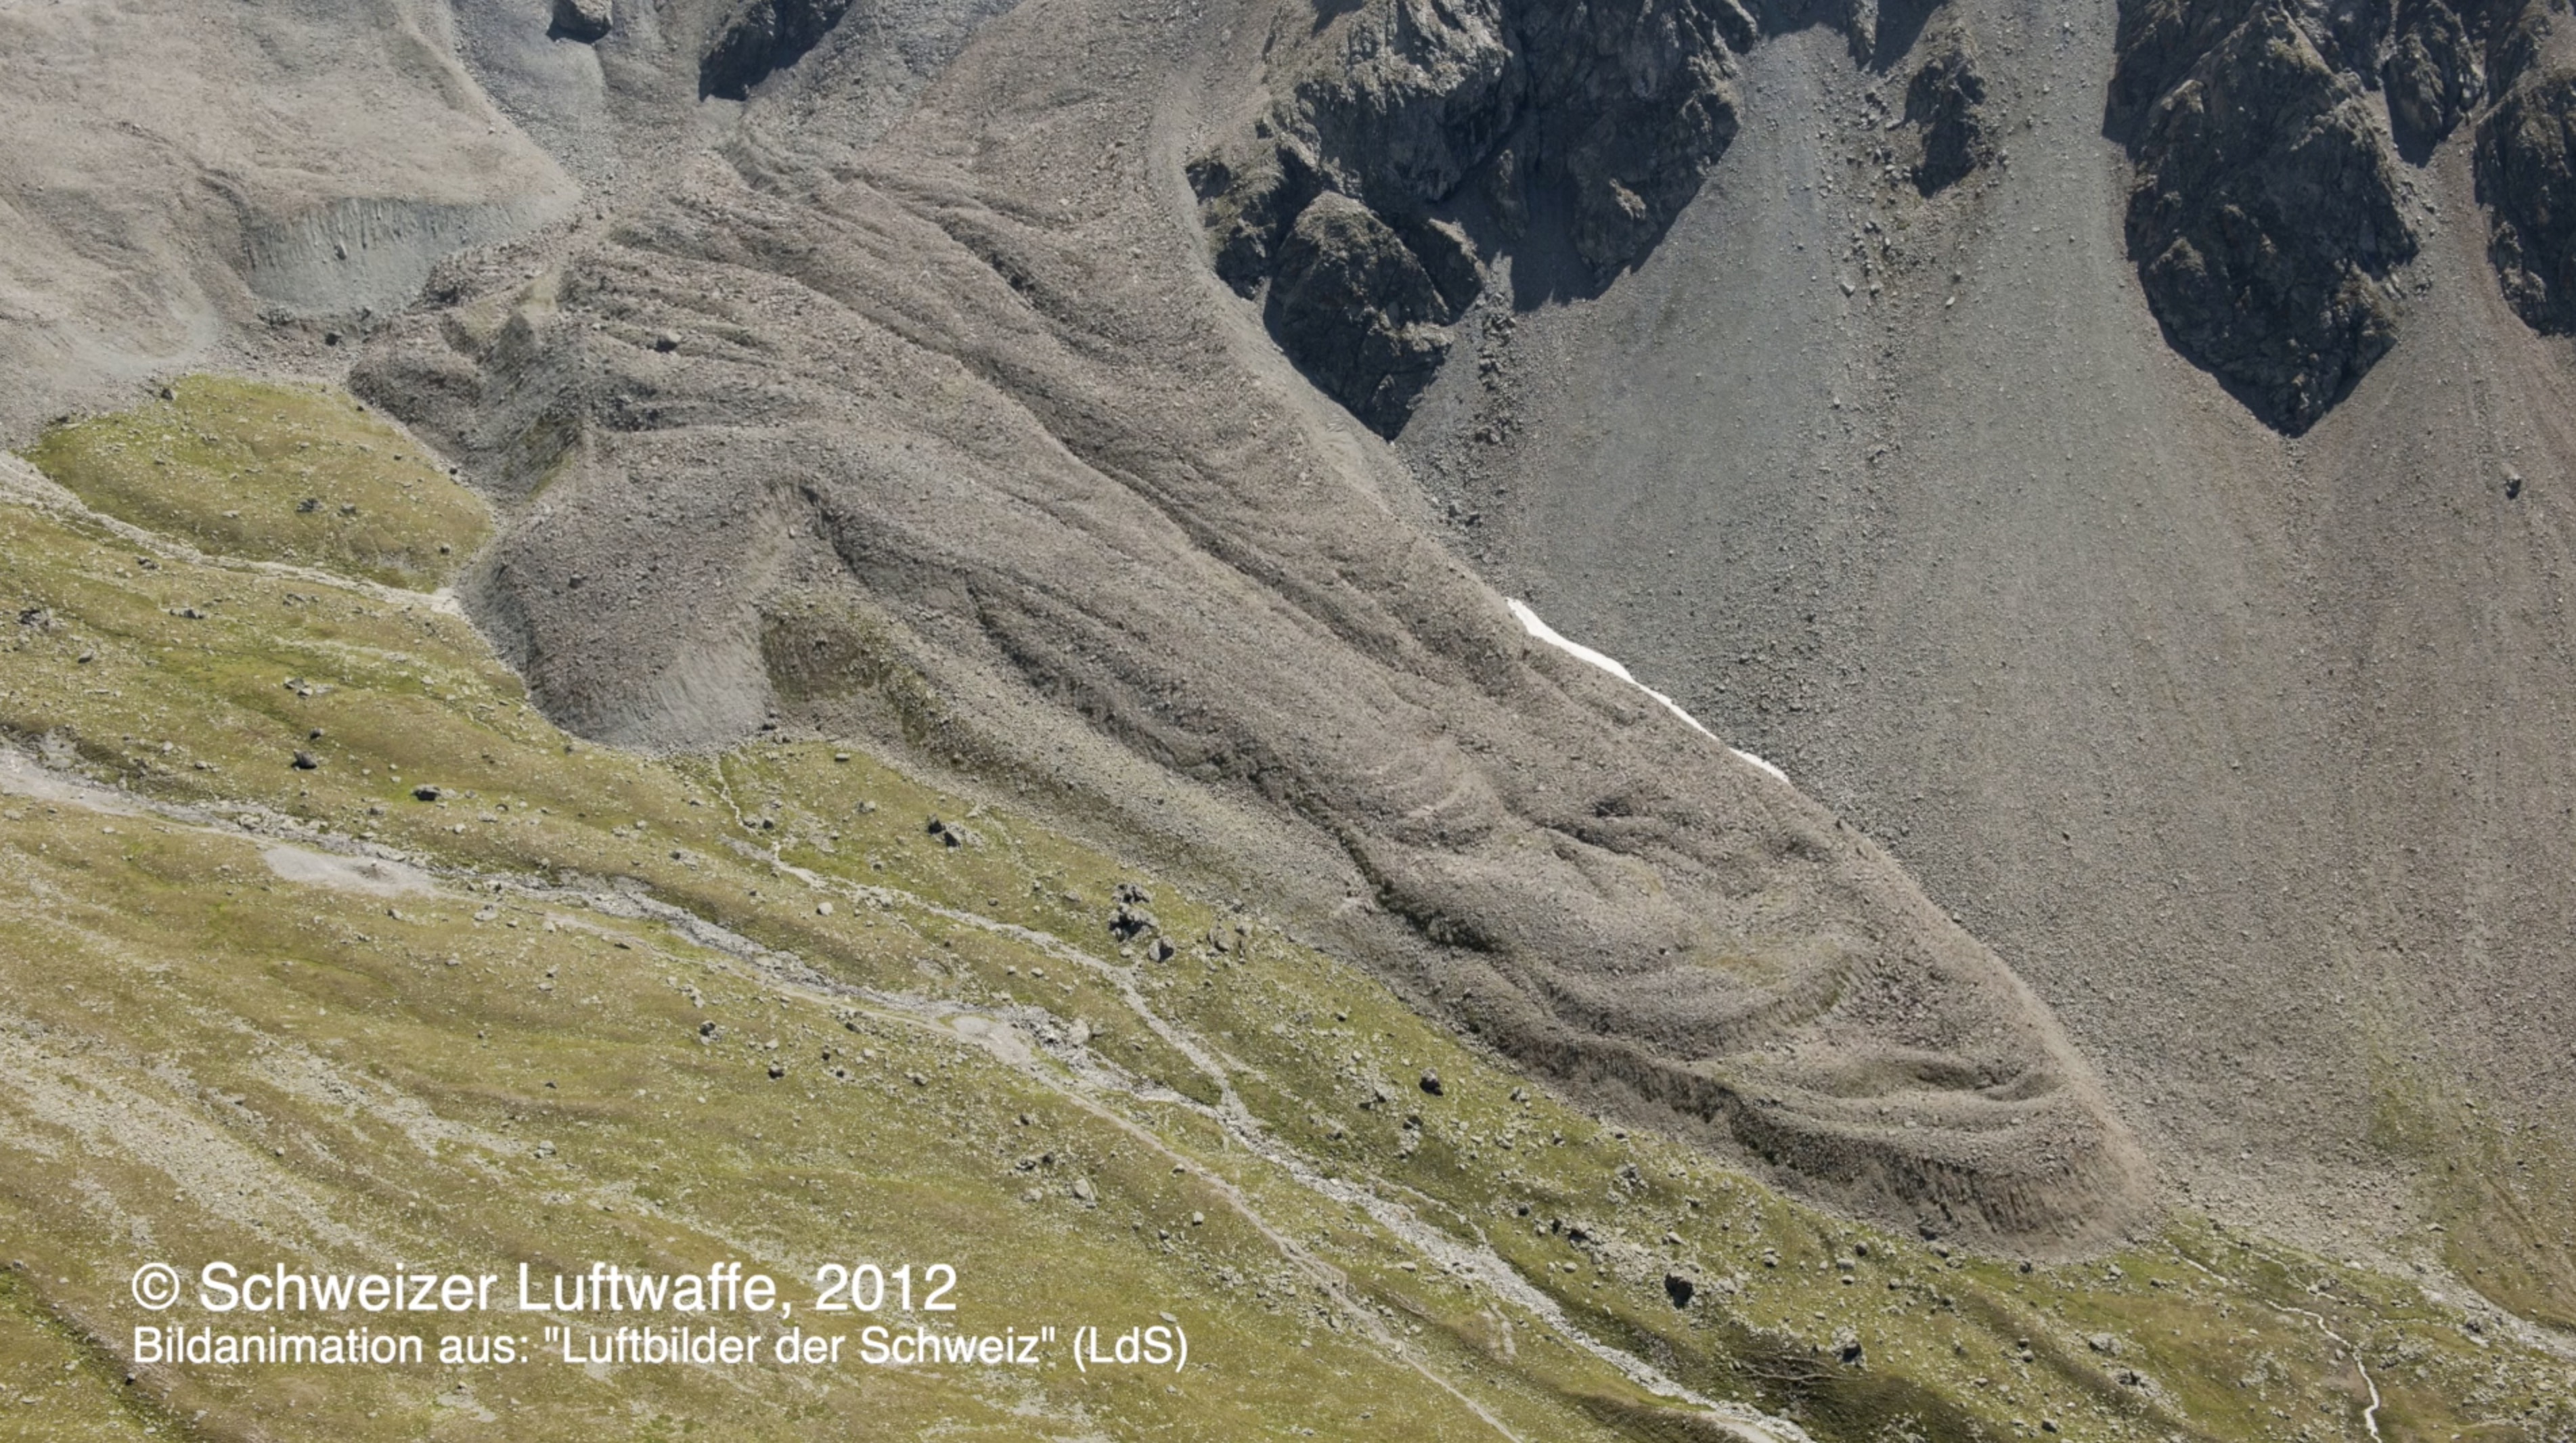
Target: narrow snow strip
1542	631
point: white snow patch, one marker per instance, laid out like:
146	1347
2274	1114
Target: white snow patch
1541	630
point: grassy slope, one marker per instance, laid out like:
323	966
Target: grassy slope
200	1058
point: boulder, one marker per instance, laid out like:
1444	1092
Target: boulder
583	20
764	37
1944	102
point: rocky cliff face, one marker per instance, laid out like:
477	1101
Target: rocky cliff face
2526	161
1358	305
2265	220
1601	117
761	38
1595	121
2268	219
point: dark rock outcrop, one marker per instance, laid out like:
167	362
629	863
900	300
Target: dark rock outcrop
1358	310
1247	200
764	37
1403	98
2526	166
2264	219
1944	102
583	20
1612	111
2434	76
2352	35
1632	101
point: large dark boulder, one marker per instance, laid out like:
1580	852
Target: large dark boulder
763	37
587	21
1945	101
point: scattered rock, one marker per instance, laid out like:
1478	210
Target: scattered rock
1847	1348
777	1070
306	761
949	833
582	20
1081	1190
1431	1081
1130	920
426	793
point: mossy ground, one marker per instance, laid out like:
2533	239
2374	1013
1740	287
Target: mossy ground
293	474
200	1058
2502	1194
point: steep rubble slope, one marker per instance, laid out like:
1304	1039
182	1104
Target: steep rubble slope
2249	751
1084	531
